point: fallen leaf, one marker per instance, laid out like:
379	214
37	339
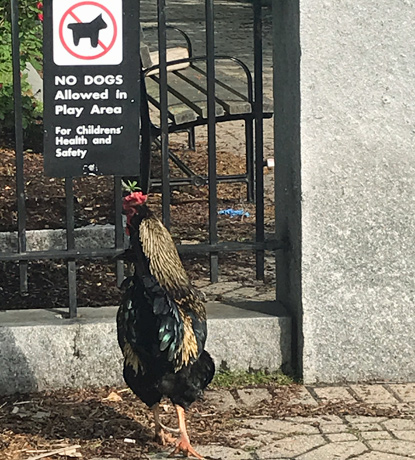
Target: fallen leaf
113	396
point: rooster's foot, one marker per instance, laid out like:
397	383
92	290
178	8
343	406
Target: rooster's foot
164	438
183	445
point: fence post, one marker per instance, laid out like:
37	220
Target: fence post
211	103
70	245
164	121
20	191
259	141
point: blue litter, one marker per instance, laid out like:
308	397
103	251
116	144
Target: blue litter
234	212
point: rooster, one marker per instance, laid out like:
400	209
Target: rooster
161	324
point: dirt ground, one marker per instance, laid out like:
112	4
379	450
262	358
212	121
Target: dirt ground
94	204
110	422
113	423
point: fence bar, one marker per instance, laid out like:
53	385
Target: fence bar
255	179
146	138
259	139
119	231
70	244
164	119
20	191
62	254
232	246
211	101
250	169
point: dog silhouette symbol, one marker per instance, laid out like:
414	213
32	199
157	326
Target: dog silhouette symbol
88	30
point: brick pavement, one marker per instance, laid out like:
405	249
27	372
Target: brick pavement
321	437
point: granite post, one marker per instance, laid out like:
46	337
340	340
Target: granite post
345	175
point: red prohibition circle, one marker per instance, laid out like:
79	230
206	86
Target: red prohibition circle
79	56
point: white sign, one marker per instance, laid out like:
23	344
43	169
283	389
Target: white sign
87	32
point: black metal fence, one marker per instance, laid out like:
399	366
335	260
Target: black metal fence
72	254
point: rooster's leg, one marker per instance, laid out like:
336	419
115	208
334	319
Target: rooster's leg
160	435
183	444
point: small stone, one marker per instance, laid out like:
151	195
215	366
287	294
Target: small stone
253	396
221	399
367	427
361	419
405	391
335	450
380	456
405	435
393	447
41	415
330	419
281	426
341	437
303	397
399	424
320	419
371	435
252	439
332	429
373	394
334	394
290	447
221	288
244	293
218	451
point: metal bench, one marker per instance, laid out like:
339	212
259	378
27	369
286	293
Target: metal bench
187	103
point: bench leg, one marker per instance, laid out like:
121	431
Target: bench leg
250	170
195	179
192	138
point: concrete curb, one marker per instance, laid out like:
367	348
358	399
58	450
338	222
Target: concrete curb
90	236
40	350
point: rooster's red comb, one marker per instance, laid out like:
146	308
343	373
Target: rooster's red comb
134	199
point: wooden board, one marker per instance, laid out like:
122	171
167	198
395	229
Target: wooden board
187	90
237	85
233	101
179	112
190	96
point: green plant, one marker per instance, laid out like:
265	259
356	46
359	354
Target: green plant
30	34
238	379
131	186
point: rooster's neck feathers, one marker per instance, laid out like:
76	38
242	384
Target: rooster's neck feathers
165	266
161	252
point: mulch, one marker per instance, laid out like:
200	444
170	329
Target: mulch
110	422
113	423
94	204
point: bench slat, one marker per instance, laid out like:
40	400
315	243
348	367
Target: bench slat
178	111
189	95
236	84
232	101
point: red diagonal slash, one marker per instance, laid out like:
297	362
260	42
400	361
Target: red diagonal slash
80	22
